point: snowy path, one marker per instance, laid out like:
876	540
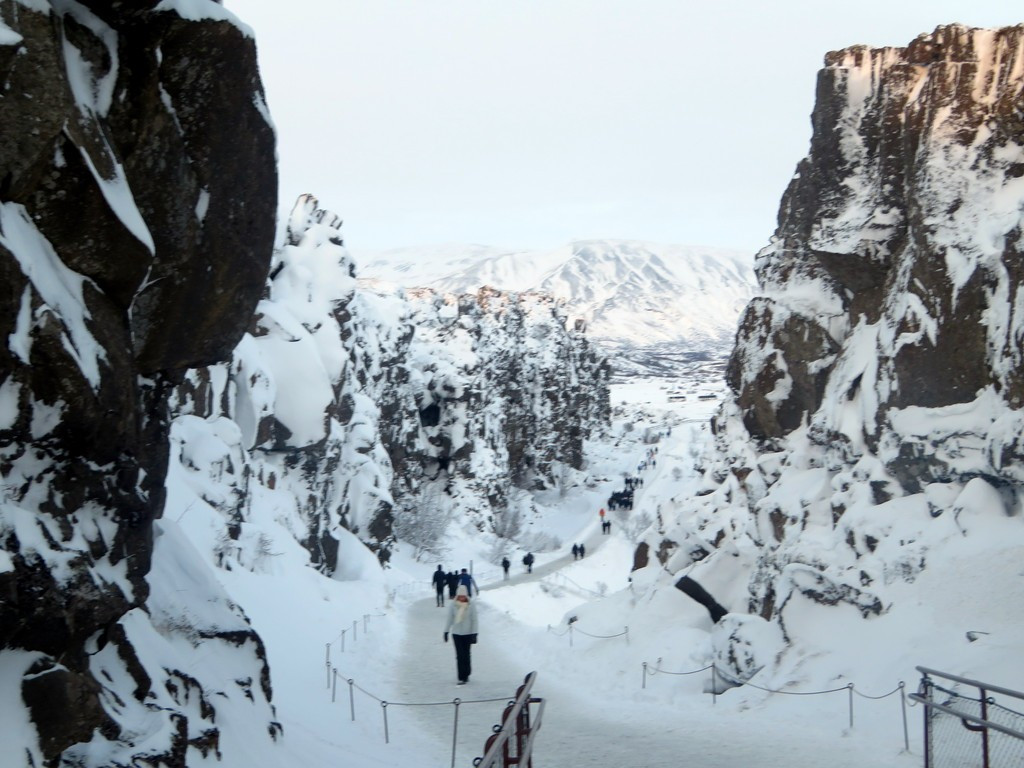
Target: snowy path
596	712
590	728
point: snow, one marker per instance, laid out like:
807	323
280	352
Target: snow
8	36
119	197
380	629
9	391
200	10
16	729
60	289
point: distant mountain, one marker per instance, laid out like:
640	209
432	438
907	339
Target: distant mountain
655	307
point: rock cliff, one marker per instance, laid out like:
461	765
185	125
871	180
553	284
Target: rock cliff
877	379
380	414
137	197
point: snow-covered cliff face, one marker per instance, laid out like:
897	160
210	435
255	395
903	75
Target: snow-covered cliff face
136	223
877	380
347	412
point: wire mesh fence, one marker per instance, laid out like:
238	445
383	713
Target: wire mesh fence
970	723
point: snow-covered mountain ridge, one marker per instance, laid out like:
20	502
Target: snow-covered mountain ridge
873	434
652	306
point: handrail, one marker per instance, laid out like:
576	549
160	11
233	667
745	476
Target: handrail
497	744
528	746
964	716
979	723
972	683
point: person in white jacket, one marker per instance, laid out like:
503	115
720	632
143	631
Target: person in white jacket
463	628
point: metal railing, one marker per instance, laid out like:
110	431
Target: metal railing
512	740
964	724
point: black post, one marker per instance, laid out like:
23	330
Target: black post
455	728
984	729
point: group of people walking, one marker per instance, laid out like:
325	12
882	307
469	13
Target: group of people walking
461	623
450	581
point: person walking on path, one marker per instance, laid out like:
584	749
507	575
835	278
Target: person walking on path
504	566
462	625
575	552
452	579
466	579
440	581
528	562
583	551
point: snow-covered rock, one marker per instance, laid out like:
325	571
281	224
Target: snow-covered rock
383	413
137	167
873	432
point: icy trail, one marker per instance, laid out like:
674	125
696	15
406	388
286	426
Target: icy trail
586	728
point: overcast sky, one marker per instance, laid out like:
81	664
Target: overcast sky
529	123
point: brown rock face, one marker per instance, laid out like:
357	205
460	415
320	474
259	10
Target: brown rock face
137	198
891	279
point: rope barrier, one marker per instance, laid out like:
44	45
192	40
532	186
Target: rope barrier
445	703
580	587
603	637
850	688
897	689
659	670
847	687
573	628
353	686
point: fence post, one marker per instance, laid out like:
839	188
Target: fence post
644	685
627	635
354	625
384	709
343	640
903	707
455	728
926	690
351	700
714	684
849	687
334	687
570	635
984	731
